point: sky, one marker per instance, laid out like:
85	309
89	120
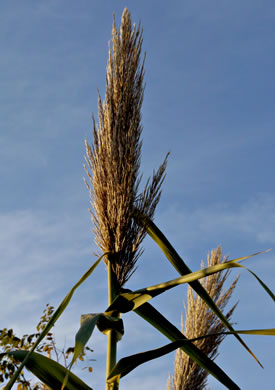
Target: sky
209	101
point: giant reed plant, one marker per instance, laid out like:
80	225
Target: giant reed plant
121	216
114	161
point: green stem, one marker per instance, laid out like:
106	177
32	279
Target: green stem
111	337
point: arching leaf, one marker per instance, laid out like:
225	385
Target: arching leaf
52	321
48	371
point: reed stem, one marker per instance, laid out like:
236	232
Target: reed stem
111	337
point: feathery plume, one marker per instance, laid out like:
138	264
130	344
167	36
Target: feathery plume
113	160
200	320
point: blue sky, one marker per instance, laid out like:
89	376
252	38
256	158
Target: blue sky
209	100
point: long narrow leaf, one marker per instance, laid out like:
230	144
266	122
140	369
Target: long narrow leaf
48	371
132	300
52	321
267	289
158	321
87	325
183	269
81	338
129	363
254	332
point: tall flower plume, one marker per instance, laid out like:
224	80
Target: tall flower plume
200	320
113	160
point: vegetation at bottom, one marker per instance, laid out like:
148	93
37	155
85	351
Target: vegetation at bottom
122	215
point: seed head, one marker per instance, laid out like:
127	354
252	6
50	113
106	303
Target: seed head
200	320
113	160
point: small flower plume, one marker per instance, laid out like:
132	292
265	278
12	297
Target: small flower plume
113	160
200	320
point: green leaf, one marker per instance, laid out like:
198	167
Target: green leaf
48	371
52	321
88	322
255	332
267	289
107	323
183	269
129	363
158	321
125	302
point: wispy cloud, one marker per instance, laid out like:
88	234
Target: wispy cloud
40	254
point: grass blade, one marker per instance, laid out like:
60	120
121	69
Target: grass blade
127	301
267	289
48	371
129	363
257	332
87	324
52	321
254	332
